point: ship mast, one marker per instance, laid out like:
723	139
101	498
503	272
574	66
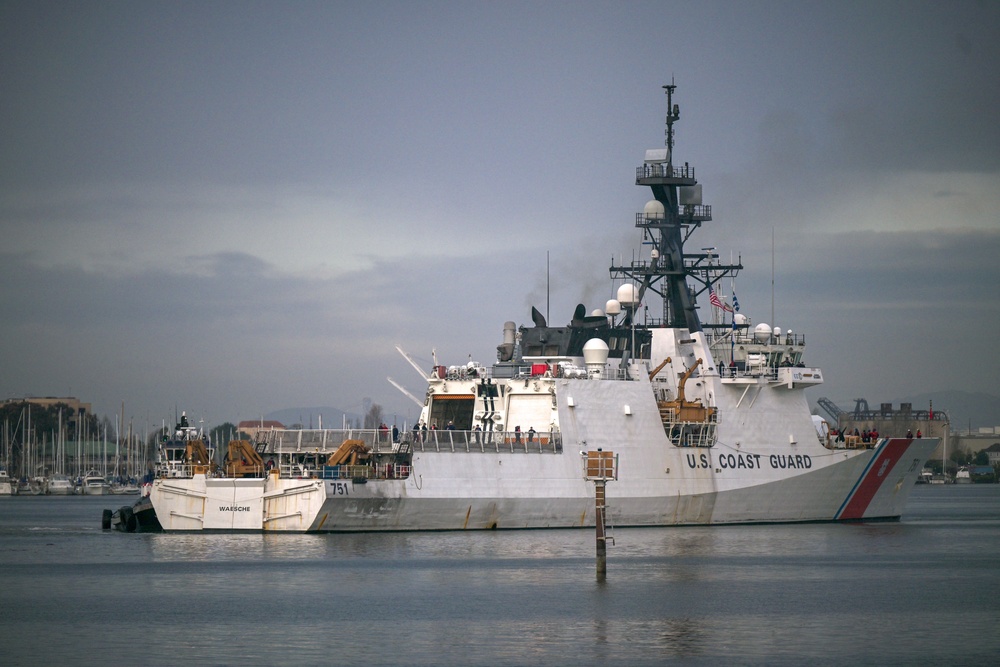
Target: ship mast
666	228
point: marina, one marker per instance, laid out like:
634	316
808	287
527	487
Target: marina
54	446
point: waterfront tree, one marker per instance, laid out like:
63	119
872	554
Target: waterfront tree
223	433
373	418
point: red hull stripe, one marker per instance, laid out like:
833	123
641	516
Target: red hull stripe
875	473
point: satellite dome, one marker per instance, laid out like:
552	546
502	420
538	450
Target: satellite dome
597	312
740	319
762	332
653	210
612	307
595	351
628	295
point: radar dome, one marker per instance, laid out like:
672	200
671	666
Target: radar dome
628	295
597	312
653	210
595	351
762	332
740	319
612	307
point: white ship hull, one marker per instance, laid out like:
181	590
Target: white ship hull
541	495
535	485
7	486
95	488
61	489
60	485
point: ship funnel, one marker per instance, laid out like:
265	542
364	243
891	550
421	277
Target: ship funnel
595	355
505	351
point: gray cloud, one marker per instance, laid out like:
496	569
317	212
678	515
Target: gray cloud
241	211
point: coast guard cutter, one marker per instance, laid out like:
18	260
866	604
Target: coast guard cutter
707	422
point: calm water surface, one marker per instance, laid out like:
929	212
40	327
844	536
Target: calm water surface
922	591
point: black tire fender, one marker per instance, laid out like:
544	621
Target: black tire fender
128	520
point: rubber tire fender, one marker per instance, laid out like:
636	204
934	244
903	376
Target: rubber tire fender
128	520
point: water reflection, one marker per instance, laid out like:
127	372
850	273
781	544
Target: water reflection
682	637
865	593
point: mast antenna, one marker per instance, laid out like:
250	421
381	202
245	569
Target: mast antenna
673	114
547	294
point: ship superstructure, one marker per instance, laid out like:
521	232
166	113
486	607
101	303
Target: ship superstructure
707	421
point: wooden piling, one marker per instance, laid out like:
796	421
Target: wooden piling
602	543
601	467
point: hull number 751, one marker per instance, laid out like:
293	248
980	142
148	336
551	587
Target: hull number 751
338	489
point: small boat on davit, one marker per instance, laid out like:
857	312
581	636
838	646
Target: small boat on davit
705	418
177	456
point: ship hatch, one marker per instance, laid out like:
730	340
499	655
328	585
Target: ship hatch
532	411
456	409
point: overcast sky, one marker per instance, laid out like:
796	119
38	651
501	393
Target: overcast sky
232	208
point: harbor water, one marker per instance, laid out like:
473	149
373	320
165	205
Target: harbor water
925	590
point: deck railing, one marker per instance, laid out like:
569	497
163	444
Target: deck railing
302	453
663	171
513	442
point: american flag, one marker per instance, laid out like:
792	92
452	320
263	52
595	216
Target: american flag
713	298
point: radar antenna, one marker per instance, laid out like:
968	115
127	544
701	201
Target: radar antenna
673	115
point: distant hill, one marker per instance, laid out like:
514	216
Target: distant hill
963	408
312	417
